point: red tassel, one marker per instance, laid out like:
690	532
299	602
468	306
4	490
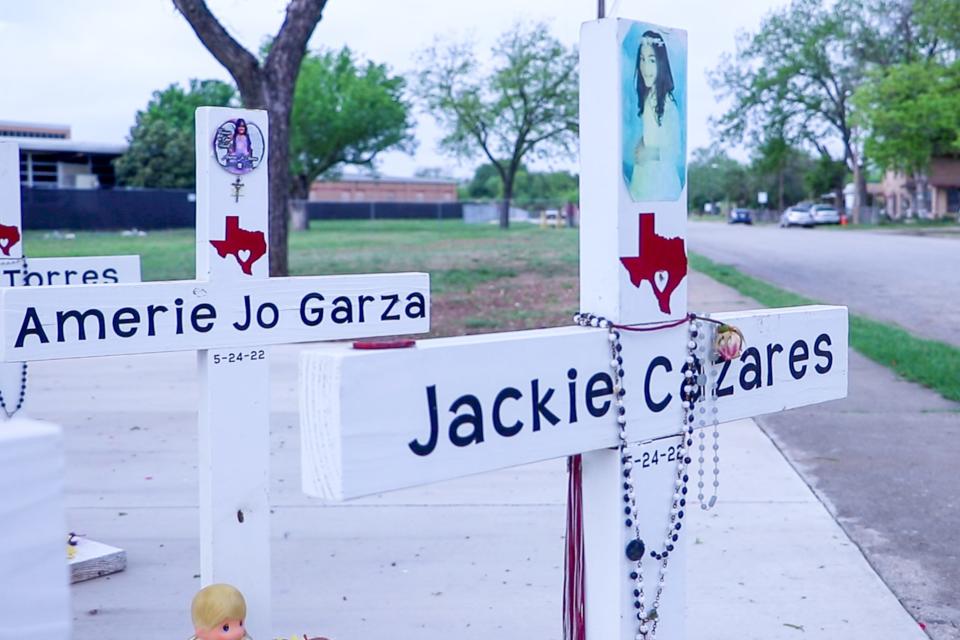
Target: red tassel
574	618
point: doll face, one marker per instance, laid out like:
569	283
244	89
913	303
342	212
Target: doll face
226	630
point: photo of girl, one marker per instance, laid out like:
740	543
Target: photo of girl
654	116
239	146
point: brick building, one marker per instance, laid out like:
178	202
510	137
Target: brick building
943	184
358	188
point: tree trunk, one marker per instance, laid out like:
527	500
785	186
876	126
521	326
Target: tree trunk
505	204
860	193
915	199
300	193
780	188
923	194
279	187
299	219
841	199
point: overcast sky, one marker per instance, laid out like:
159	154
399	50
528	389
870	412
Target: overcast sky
93	64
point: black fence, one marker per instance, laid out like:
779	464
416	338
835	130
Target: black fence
98	209
383	210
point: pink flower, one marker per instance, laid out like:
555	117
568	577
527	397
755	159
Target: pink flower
729	342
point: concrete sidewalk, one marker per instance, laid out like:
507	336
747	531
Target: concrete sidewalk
477	558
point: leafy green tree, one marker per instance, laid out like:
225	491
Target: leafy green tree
912	114
713	176
798	72
939	21
162	151
344	113
826	175
796	76
770	158
525	106
532	189
486	183
780	168
546	189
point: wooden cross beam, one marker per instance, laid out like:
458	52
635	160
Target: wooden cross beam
228	314
472	404
374	422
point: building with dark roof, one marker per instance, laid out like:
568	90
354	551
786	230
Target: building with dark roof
10	129
49	158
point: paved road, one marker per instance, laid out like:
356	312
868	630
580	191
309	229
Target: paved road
912	281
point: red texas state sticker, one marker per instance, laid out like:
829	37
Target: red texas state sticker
246	246
661	261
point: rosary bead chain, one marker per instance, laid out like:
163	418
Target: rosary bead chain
692	392
23	365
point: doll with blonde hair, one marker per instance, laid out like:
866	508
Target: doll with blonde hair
218	612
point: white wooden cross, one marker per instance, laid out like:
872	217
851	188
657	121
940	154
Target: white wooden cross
227	314
378	421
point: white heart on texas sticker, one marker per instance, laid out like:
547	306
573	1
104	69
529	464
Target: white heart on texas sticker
4	243
243	254
660	280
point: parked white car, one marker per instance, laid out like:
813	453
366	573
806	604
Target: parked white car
824	214
797	216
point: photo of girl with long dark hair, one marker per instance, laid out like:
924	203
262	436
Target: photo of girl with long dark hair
658	162
239	146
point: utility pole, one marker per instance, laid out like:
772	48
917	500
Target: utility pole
601	9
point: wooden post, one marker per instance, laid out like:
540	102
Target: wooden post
610	227
234	415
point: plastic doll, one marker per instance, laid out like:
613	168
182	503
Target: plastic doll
218	613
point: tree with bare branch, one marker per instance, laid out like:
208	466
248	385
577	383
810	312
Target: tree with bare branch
525	106
268	84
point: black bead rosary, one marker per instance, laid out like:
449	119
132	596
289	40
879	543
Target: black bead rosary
692	393
23	365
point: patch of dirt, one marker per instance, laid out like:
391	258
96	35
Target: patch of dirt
527	301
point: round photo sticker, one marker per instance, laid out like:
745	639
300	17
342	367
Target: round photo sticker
239	146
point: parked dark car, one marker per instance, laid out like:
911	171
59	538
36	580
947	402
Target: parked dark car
744	216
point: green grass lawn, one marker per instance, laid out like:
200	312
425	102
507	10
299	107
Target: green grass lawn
457	255
460	256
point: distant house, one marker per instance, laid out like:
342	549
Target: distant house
358	188
943	190
49	158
